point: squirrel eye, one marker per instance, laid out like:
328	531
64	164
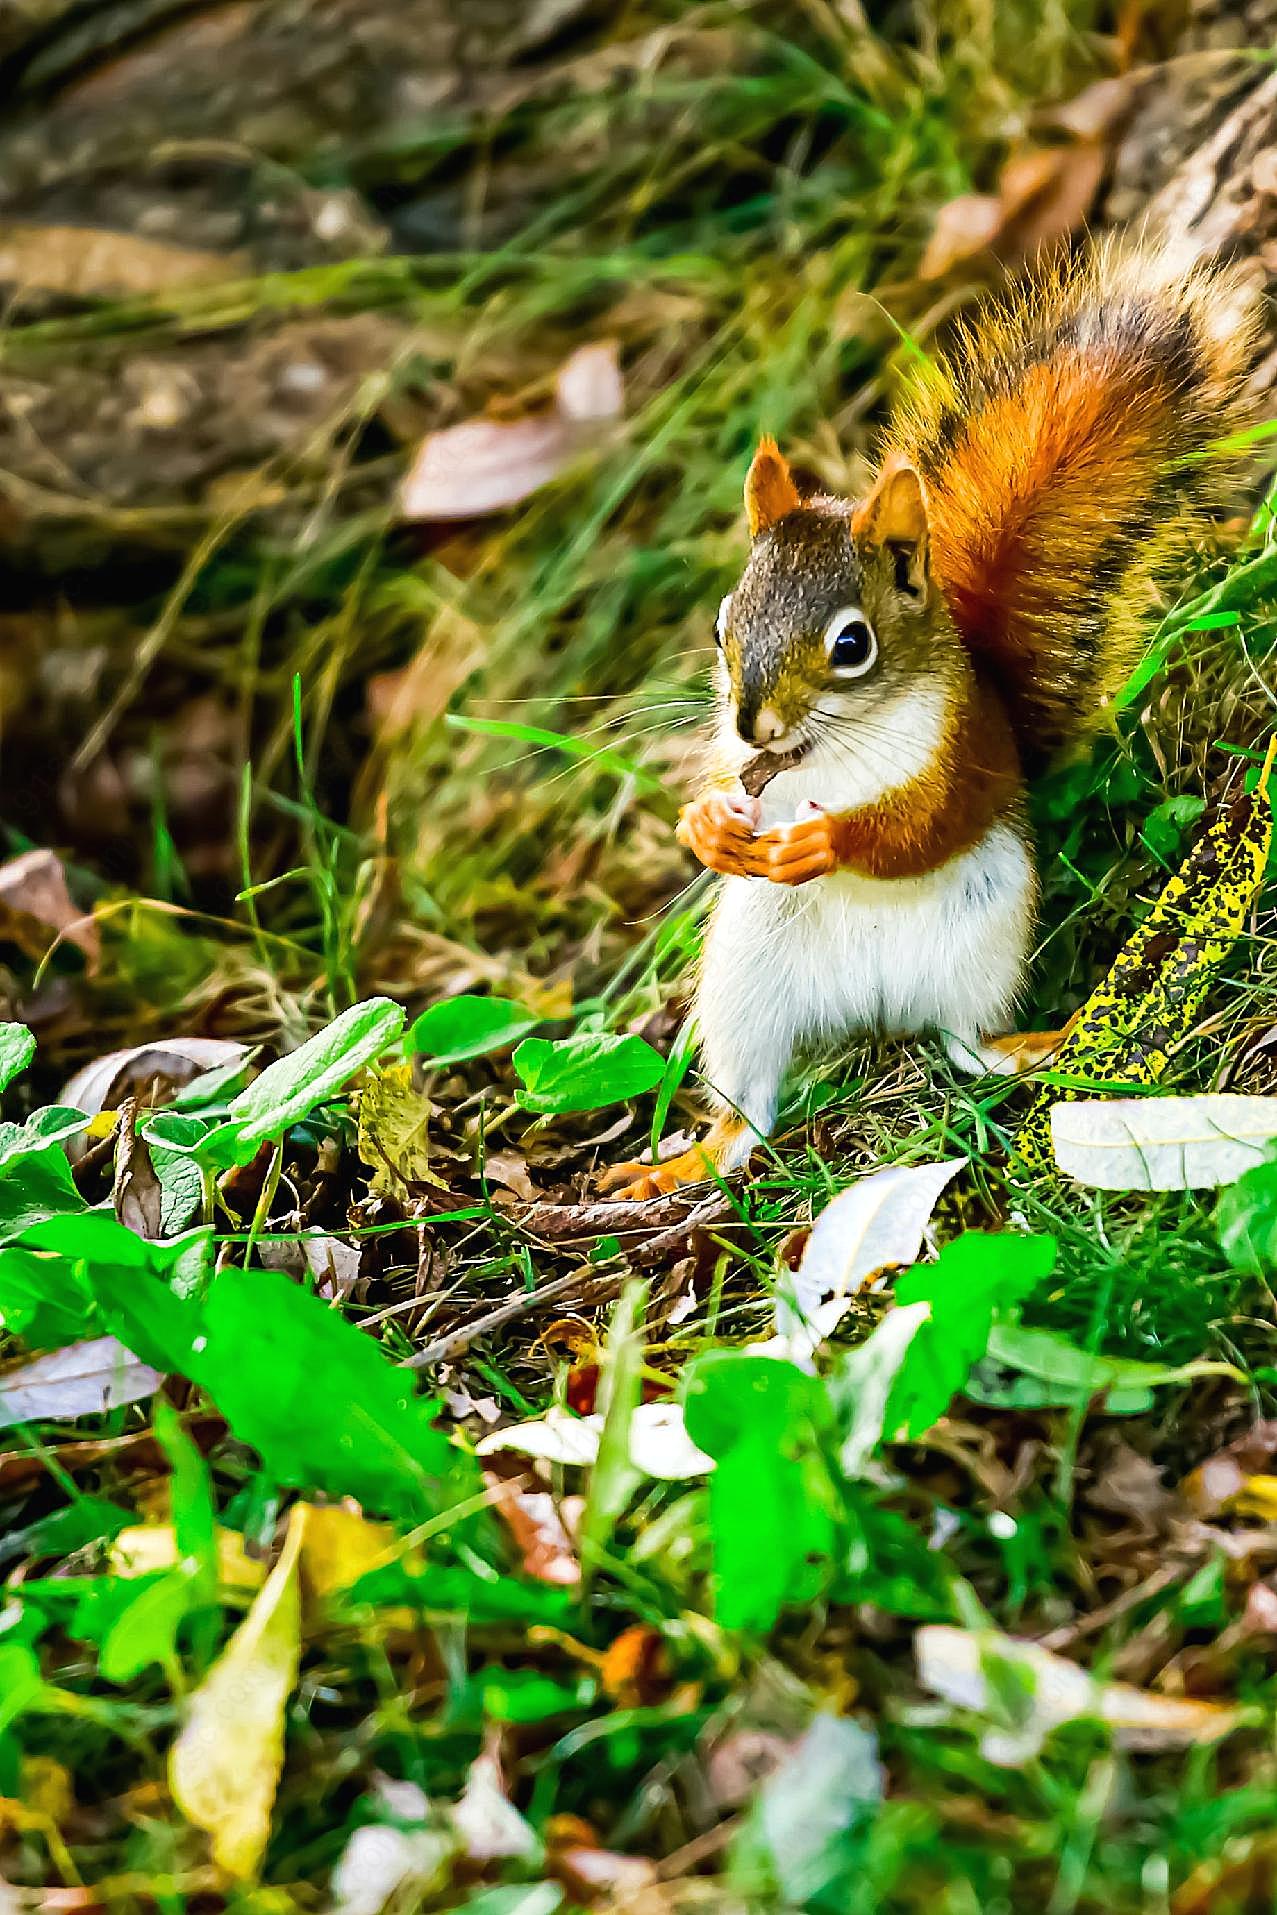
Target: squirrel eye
850	641
720	623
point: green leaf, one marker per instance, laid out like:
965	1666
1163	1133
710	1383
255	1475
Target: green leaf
464	1027
975	1278
190	1504
17	1048
442	1589
53	1125
89	1519
20	1681
1069	1375
147	1299
677	1065
207	1141
34	1188
771	1500
44	1299
319	1402
1166	826
586	1072
1246	1220
288	1090
145	1630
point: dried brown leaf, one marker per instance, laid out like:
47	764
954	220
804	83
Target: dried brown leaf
91	262
534	1520
36	910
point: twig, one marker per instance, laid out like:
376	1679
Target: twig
508	1312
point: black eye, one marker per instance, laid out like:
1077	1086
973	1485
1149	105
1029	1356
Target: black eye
850	642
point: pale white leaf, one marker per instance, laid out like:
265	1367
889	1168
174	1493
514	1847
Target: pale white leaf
556	1437
829	1783
103	1084
659	1443
379	1863
78	1381
589	386
952	1663
878	1224
1163	1143
485	465
490	1827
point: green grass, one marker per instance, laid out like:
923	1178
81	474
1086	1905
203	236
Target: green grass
748	230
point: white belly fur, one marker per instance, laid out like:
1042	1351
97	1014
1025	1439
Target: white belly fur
786	968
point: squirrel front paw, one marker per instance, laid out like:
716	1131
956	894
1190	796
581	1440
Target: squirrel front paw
799	852
719	828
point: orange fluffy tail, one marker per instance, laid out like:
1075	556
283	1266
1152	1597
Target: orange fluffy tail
1060	446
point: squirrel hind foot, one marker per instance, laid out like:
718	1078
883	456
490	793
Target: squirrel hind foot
1020	1051
723	1150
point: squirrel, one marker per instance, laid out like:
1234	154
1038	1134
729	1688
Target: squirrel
892	671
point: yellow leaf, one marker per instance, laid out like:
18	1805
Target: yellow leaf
1257	1497
393	1121
340	1546
1145	1005
149	1546
225	1765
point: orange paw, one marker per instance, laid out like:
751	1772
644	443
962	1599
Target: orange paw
1020	1051
719	828
692	1166
796	853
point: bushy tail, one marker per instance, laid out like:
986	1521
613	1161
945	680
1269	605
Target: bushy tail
1060	445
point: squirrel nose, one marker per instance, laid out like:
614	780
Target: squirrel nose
767	727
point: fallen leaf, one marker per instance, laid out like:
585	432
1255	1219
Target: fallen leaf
829	1784
339	1545
633	1670
333	1263
876	1225
394	1119
1097	112
225	1765
659	1443
1046	195
137	1192
146	1547
964	228
91	262
1149	996
37	912
490	1827
82	1380
959	1664
593	1872
486	465
1163	1143
103	1084
533	1519
1211	1486
380	1862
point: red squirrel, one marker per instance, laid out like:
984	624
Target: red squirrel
892	671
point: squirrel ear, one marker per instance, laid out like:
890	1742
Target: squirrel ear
895	515
770	492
